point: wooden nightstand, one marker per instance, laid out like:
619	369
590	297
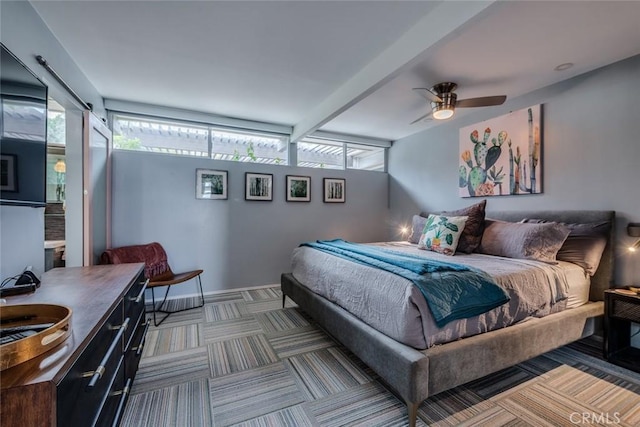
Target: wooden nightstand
620	310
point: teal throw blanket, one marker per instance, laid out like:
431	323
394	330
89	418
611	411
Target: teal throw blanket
452	291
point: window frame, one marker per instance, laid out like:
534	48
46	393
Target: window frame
290	149
210	130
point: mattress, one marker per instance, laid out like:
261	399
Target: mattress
395	307
579	284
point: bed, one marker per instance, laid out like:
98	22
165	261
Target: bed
416	373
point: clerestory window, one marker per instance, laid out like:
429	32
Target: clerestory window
327	154
132	132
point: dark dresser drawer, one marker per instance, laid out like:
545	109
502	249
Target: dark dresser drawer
113	406
133	351
134	304
85	388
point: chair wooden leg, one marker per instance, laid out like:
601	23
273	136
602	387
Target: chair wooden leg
159	309
284	299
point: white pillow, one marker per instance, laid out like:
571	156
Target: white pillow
441	233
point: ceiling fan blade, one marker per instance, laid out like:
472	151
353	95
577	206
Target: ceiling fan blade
422	118
427	94
483	101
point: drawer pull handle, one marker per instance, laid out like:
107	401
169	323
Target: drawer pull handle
123	400
141	294
125	390
124	326
99	371
140	346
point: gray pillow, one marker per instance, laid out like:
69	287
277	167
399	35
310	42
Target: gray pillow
585	244
417	225
473	228
540	242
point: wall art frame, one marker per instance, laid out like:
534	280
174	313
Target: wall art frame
502	156
298	188
211	184
258	186
335	190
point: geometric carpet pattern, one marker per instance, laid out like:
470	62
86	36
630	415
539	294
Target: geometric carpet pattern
243	360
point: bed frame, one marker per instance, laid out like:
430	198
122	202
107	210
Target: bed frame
416	375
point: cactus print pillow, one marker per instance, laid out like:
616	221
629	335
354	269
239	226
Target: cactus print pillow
442	233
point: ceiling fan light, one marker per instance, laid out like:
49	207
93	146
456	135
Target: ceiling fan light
444	110
442	113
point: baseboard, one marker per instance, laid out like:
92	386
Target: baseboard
216	292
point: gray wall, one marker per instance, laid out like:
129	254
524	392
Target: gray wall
238	243
22	229
591	153
25	34
21	240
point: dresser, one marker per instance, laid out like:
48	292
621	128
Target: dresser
85	381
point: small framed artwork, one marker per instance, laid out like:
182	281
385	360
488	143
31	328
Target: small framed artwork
9	173
335	190
258	186
298	188
211	184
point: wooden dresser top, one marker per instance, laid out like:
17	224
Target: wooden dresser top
92	293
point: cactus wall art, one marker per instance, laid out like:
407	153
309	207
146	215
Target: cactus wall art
502	156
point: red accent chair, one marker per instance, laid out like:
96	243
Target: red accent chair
156	270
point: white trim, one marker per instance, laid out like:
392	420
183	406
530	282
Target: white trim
218	292
115	105
341	137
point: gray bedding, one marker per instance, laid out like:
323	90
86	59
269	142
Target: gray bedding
395	307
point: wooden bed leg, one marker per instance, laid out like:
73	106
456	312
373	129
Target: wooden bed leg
412	412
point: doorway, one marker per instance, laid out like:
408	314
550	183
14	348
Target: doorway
54	213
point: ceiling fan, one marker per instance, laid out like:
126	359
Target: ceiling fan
444	101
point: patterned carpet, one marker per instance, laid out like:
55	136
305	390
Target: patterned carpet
242	360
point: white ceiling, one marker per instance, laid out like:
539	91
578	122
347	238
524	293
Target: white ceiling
339	66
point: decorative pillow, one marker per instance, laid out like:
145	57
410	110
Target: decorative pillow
474	227
442	233
417	226
585	244
539	242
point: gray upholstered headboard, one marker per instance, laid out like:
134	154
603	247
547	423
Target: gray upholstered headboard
603	279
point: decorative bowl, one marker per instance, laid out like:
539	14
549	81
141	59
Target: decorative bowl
54	328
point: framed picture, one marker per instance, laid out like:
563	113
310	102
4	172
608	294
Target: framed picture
335	190
298	188
258	186
502	156
211	184
9	172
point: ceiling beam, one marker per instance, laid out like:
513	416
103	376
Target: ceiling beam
443	21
